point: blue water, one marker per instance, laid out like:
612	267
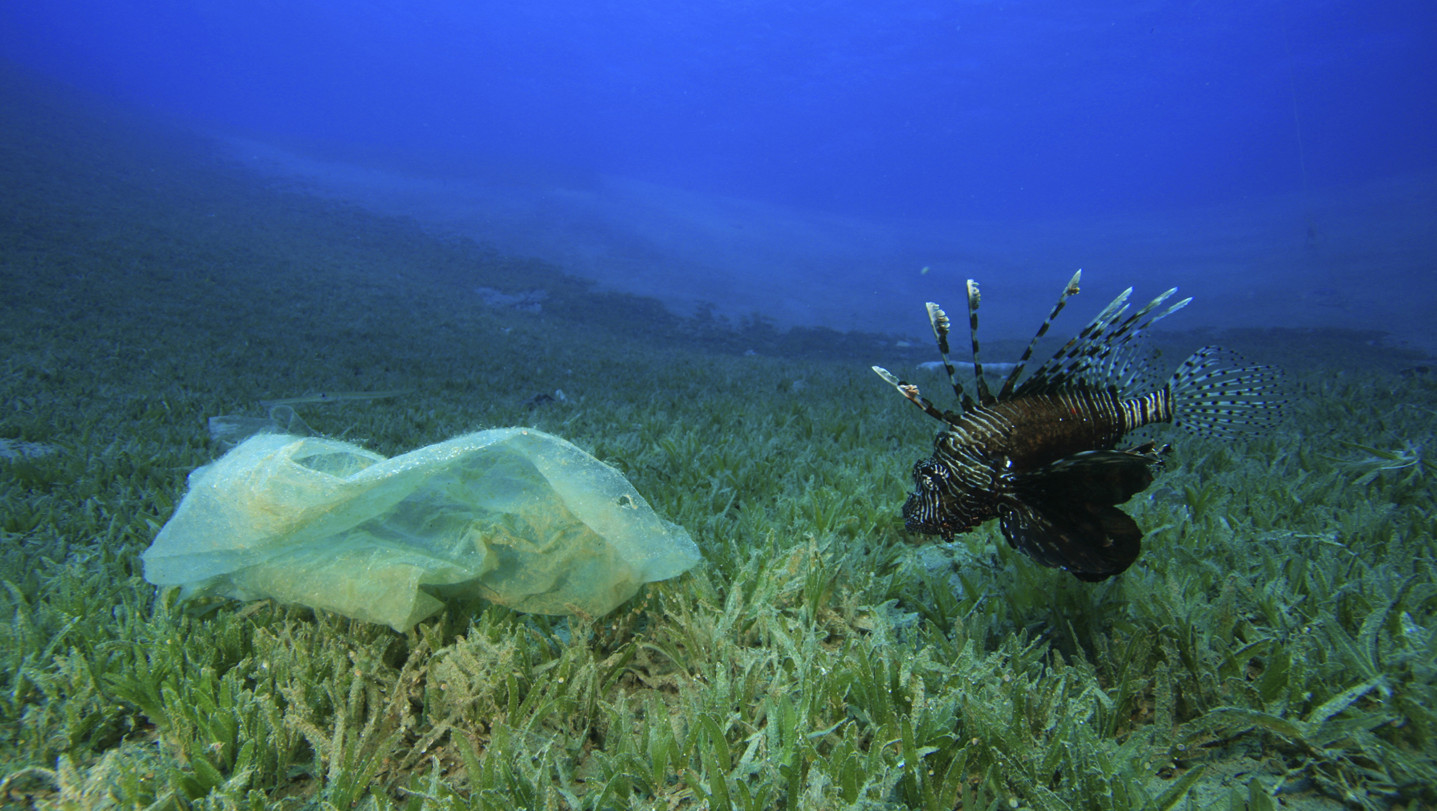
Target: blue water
809	160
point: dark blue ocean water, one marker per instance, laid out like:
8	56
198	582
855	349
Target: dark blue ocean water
836	162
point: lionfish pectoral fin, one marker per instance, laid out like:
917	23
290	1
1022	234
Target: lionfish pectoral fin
1092	541
1065	514
1104	477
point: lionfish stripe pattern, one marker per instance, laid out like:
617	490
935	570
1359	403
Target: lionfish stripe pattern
1041	456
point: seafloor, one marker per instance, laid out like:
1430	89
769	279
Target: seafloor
1273	647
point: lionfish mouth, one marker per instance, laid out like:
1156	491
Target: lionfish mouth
923	511
912	515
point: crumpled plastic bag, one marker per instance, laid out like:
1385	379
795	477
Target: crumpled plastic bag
516	516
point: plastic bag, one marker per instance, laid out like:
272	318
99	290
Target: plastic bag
514	515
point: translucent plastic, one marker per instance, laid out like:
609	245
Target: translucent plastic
514	515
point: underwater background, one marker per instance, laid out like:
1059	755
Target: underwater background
678	236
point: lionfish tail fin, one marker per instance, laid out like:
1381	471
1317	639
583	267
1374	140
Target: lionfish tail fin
1216	393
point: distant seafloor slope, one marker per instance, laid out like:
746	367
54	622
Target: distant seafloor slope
78	168
1357	258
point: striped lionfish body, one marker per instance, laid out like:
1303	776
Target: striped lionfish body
1041	456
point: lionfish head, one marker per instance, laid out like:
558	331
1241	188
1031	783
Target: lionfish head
944	502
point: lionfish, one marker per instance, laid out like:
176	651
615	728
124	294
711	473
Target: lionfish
1041	456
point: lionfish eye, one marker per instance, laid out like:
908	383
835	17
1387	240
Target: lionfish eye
930	475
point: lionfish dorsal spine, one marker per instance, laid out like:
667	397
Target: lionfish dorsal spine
1121	365
910	391
985	397
941	326
1103	354
1112	358
1053	371
1012	380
